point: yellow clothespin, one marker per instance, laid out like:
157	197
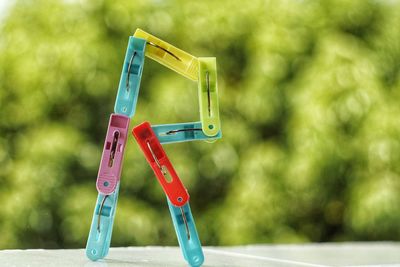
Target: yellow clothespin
169	55
208	96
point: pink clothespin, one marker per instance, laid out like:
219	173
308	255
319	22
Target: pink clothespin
113	154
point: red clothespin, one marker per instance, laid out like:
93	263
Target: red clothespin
159	162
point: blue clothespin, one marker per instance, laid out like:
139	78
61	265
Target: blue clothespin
102	224
186	232
128	89
182	132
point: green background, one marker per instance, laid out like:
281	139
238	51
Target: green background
309	102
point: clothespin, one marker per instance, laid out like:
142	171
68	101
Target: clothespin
129	84
169	55
113	154
208	96
102	224
186	232
182	132
159	162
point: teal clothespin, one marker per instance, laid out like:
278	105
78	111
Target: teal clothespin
182	132
102	224
186	232
129	84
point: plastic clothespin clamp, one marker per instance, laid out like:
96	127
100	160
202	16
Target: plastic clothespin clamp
129	84
208	96
186	232
113	154
182	132
99	239
108	187
169	55
159	162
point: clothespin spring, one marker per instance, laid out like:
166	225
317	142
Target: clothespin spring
208	92
100	210
129	70
161	167
186	223
182	130
165	50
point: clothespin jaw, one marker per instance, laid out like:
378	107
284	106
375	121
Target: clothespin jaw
208	96
100	233
113	153
159	162
186	232
129	84
169	55
182	132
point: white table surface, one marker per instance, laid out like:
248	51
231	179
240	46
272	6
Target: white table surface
332	254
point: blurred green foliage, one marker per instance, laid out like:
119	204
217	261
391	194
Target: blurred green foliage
309	97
